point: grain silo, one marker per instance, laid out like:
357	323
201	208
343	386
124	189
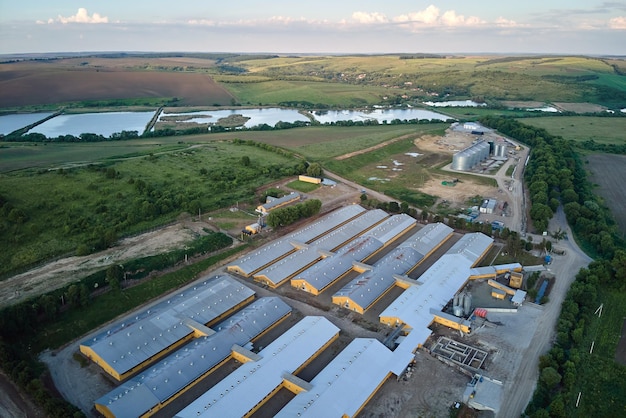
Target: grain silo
460	161
500	149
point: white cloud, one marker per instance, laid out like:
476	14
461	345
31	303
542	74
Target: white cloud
432	16
81	16
369	18
429	16
618	22
506	23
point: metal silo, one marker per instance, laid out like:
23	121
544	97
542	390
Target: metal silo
460	161
467	304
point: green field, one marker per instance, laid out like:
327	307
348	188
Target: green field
600	379
316	93
359	80
607	130
53	212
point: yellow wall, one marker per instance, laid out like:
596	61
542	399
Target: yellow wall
309	179
452	324
347	303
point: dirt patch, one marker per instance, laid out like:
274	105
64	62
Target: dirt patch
516	104
459	194
580	107
59	273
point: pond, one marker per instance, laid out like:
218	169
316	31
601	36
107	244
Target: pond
104	124
381	115
455	103
11	123
269	116
550	109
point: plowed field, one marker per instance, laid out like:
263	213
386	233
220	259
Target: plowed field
23	85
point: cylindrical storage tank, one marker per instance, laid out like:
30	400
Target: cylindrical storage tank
483	149
503	150
456	300
457	311
460	161
467	304
471	158
460	300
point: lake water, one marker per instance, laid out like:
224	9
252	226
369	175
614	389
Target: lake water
269	116
456	103
11	123
381	115
549	109
103	124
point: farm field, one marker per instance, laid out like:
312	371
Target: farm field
608	171
315	143
606	130
42	85
335	81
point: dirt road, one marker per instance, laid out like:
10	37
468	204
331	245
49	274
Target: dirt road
519	389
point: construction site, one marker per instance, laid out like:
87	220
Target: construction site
329	320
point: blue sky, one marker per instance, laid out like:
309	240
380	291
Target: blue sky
320	26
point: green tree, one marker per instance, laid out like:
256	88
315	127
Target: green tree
114	276
315	170
550	377
245	161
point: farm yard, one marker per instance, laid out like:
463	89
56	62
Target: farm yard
62	199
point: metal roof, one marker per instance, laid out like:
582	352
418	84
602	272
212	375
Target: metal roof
435	288
481	271
428	238
181	368
346	384
367	287
272	202
129	343
252	262
290	265
331	268
244	388
472	246
390	229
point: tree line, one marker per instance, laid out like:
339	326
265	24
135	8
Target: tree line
568	366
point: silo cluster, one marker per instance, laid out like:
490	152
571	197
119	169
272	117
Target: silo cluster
499	149
471	156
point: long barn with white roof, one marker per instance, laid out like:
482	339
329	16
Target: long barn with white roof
254	262
362	292
128	346
162	383
281	271
321	275
246	389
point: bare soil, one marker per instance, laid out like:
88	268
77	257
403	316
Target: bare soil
580	107
59	273
49	83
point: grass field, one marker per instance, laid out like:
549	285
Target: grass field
608	130
303	186
608	171
336	81
600	379
59	211
320	92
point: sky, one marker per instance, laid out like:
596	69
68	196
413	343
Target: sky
588	27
